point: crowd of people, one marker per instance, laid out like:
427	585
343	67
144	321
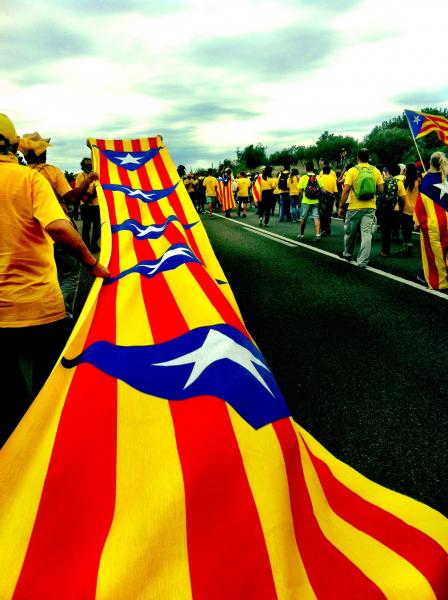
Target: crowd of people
368	197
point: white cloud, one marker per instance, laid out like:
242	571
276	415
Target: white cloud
127	72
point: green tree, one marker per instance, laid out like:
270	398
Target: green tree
252	156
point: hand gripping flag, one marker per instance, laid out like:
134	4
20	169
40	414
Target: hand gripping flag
422	123
431	212
160	461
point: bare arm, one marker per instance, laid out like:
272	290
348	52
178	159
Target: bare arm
73	195
345	191
63	232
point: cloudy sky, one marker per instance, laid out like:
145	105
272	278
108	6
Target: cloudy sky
213	76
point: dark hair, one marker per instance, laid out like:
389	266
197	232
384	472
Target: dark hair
411	177
326	169
181	170
32	158
350	165
309	165
327	163
210	171
242	174
84	160
394	169
267	172
294	172
364	154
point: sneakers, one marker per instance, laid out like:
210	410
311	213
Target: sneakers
300	236
342	255
212	216
260	222
316	238
421	280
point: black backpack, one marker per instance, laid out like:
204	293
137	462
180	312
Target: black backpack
312	189
283	182
389	197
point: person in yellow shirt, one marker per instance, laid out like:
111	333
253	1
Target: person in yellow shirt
361	185
329	172
293	185
211	190
243	183
34	149
32	310
310	192
327	200
390	207
412	187
90	210
268	185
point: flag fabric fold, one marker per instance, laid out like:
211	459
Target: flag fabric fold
160	460
423	123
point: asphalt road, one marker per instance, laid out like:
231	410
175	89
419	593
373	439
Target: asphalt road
361	357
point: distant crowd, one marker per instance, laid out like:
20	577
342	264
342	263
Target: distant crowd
367	197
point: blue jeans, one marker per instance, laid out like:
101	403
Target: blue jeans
363	220
295	208
285	214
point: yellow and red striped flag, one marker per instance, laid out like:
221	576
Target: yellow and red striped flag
256	189
431	213
423	123
160	459
226	193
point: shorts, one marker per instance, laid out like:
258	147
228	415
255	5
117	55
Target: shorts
210	199
309	210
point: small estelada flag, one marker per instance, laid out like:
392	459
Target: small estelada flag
422	123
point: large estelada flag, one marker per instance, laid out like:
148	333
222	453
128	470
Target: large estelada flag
160	459
226	193
431	213
423	123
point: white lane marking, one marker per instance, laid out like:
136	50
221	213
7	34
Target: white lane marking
267	235
277	237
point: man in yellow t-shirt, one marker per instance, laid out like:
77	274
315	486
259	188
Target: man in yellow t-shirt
34	148
361	212
90	210
310	205
211	190
328	198
32	309
243	183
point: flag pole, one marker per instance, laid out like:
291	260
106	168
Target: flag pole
415	142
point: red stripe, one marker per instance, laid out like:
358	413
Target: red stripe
422	217
226	548
407	541
77	501
443	235
330	572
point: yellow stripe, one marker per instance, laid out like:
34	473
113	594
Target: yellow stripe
415	513
24	463
145	555
436	246
265	469
394	575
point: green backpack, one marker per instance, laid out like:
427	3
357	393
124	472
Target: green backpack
365	186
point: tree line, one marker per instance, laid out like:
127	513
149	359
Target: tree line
389	142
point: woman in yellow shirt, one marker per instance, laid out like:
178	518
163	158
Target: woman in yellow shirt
268	185
412	188
293	185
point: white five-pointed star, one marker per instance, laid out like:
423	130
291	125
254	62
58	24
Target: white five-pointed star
217	346
417	119
129	159
443	187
